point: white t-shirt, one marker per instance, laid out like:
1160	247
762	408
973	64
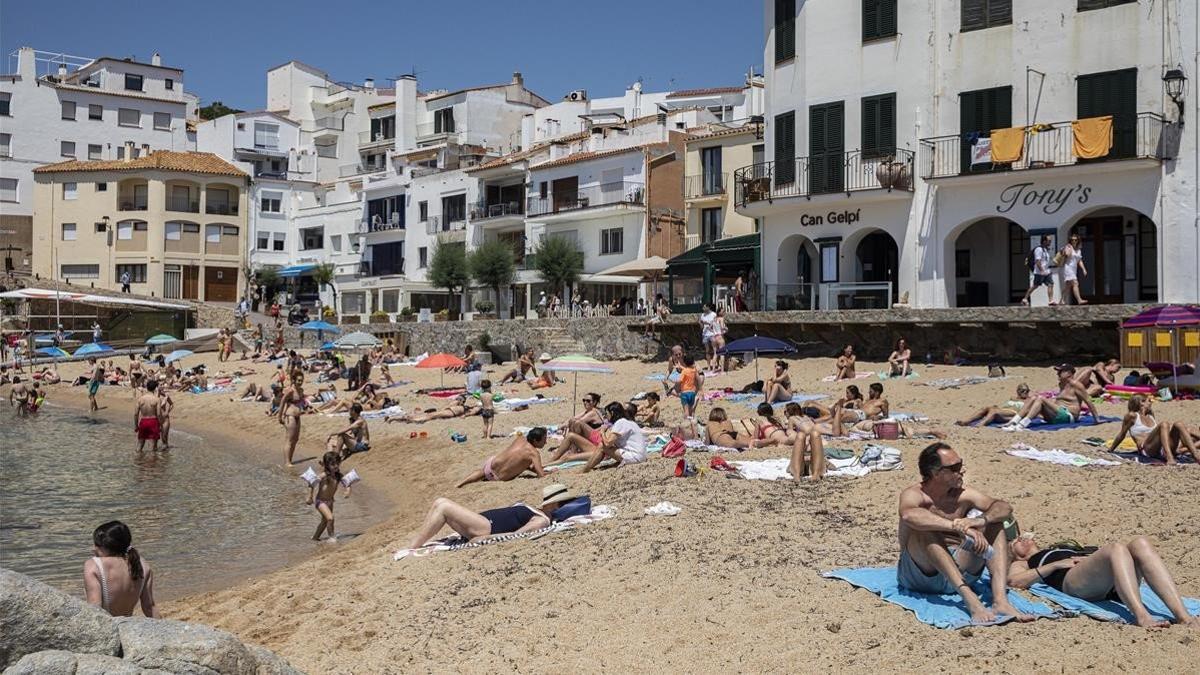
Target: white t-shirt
706	324
1041	261
631	441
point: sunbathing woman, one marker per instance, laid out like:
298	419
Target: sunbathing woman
1111	572
769	430
723	433
588	422
1160	440
899	360
808	449
1096	377
254	392
1003	413
844	369
457	409
778	387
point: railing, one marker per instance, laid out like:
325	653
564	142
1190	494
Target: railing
330	122
482	210
368	137
604	194
270	174
368	268
374	224
779	297
426	129
185	205
1045	146
705	185
826	173
131	204
691	241
857	295
221	209
437	224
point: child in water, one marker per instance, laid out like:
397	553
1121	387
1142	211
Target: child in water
487	410
325	489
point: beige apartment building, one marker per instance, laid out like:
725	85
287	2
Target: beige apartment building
713	152
175	222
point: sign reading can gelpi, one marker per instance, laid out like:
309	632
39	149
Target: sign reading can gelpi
1050	200
832	218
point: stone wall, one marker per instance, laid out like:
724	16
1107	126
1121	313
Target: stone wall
204	314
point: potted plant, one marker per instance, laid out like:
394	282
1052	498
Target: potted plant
328	313
380	316
407	315
893	174
442	315
483	309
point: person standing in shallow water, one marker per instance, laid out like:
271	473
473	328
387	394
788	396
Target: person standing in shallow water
145	417
116	579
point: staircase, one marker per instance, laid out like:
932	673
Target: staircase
555	340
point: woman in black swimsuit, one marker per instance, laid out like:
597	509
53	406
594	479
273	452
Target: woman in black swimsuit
1111	572
519	517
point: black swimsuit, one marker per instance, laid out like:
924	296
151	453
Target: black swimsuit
1055	579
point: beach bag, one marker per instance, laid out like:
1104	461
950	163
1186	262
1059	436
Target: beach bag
1060	258
887	430
995	370
674	448
755	387
580	506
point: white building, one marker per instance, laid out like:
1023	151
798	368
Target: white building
56	107
917	150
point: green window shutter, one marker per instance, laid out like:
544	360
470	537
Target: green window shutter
785	30
878	125
974	14
887	124
785	148
999	12
887	18
1085	5
870	19
870	126
879	19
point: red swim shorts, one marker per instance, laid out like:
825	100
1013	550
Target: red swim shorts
147	429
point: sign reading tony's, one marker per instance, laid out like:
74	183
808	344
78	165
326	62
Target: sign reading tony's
1050	200
832	218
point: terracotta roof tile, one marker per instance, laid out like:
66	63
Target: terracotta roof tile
110	92
687	93
700	134
594	154
163	160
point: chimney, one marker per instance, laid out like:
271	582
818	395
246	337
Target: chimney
62	72
369	83
156	60
406	113
518	79
26	63
128	151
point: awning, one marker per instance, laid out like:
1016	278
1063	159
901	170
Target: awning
730	250
643	267
296	270
87	298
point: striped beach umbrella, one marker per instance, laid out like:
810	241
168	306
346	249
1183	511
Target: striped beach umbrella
161	339
577	363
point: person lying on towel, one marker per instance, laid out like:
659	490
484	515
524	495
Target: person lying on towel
934	515
523	454
519	517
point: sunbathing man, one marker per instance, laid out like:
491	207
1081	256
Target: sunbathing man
525	366
1066	408
457	409
863	417
899	359
933	515
474	526
523	454
1095	378
1004	413
254	392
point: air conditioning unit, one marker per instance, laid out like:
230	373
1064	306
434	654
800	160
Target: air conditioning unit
577	95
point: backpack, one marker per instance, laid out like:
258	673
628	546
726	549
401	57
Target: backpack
1031	259
580	506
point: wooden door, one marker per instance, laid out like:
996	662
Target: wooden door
1103	249
191	282
565	192
220	284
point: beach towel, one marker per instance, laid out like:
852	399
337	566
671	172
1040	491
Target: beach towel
379	414
1007	144
1111	610
1056	456
756	399
776	469
1139	458
657	377
956	382
939	611
1040	424
1127	443
887	375
446	393
457	543
857	376
515	402
1093	137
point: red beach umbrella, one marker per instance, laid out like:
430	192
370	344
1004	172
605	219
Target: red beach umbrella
442	361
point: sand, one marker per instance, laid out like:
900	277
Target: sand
730	584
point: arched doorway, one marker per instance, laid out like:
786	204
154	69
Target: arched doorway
878	260
1120	254
986	263
798	275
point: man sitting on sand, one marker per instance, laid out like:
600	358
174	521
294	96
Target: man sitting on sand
523	454
934	515
1066	408
525	367
474	526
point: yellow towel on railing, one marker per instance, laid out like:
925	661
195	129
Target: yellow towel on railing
1008	144
1093	136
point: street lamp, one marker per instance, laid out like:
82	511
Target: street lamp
1175	83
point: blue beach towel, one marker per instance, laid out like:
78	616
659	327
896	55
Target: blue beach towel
939	611
1110	610
1041	425
756	399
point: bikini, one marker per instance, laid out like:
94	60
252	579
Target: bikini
105	600
1138	428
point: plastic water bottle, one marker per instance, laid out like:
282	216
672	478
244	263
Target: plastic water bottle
969	544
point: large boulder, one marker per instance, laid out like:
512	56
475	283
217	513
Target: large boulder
57	662
180	647
35	617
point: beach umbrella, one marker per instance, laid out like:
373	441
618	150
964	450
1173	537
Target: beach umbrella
328	347
357	340
576	363
319	326
759	345
1172	317
178	354
161	339
442	361
92	348
54	352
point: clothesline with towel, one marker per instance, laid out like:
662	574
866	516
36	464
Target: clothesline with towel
1091	138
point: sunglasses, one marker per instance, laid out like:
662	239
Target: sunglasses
587	400
953	468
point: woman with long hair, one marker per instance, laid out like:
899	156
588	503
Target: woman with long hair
116	579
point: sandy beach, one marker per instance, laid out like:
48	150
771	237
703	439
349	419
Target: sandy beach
730	584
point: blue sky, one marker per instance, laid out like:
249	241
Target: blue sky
226	47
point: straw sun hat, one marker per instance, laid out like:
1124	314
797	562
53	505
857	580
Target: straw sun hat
556	493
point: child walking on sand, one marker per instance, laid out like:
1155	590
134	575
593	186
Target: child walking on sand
487	410
326	489
690	382
387	375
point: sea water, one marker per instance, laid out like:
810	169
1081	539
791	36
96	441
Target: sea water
201	513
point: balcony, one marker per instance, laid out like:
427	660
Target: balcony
221	209
705	186
183	205
437	224
132	203
374	139
482	210
368	268
377	224
429	130
1050	145
828	173
624	193
330	122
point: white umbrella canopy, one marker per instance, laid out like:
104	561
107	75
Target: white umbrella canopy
645	267
357	340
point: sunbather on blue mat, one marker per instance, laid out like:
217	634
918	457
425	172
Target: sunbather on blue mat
1111	572
1066	408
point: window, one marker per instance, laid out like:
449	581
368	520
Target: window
95	151
66	148
266	135
710	225
612	241
270	202
313	238
422	212
878	126
133	82
80	271
785	30
980	111
829	262
543	187
137	273
443	121
229	230
390	301
1085	5
95	111
826	147
191	228
241	126
335	242
454	209
162	121
128	117
69	231
5	104
168	84
422	257
70	191
264	241
174	231
980	14
387	259
785	148
68	110
101	228
212	234
101	187
8	190
879	19
5	145
278	241
354	303
1111	93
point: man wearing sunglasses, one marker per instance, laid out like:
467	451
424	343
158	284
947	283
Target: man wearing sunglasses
934	516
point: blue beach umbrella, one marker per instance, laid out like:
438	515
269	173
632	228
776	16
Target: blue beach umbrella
55	352
328	347
161	339
92	348
319	326
178	354
759	344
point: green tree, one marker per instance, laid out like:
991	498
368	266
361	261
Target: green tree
323	274
216	109
493	265
448	270
559	263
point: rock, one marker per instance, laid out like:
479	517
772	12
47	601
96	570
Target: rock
179	647
35	617
57	662
269	663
